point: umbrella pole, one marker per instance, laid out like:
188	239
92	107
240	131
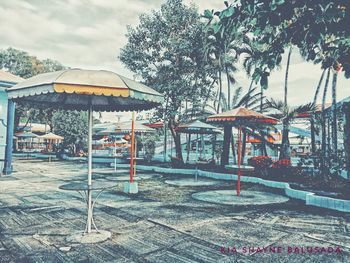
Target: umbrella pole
115	158
132	148
188	147
89	191
135	155
239	160
197	145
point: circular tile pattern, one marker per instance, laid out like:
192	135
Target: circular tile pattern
191	182
229	197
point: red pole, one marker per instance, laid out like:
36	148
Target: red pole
239	161
132	147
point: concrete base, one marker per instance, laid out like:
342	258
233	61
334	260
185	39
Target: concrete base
137	178
110	171
229	197
93	237
131	188
191	182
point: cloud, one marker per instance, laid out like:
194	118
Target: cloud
90	33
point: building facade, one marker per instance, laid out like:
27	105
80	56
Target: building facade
7	111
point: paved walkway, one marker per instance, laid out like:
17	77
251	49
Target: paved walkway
162	223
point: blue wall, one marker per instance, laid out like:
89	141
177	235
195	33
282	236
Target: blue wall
7	114
3	125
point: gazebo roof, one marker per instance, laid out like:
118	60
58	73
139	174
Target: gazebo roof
241	114
197	127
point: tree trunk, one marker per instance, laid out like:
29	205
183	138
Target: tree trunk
176	137
244	135
312	119
346	111
285	150
334	113
233	148
244	138
323	123
286	78
226	147
188	148
228	90
261	99
220	87
329	146
213	141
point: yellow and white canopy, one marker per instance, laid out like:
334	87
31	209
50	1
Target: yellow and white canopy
76	88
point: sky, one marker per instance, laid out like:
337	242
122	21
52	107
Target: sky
89	34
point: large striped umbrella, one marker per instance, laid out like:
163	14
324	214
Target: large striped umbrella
87	90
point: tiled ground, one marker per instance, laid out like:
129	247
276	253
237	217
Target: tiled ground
162	223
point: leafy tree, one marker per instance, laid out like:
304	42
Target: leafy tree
167	50
22	64
73	126
222	56
318	28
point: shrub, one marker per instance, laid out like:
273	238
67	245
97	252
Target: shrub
176	162
281	164
282	169
260	163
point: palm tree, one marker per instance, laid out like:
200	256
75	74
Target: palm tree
221	54
285	130
286	77
334	113
323	122
288	114
313	115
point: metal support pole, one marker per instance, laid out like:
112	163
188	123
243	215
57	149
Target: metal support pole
197	146
135	155
132	147
165	139
89	192
9	138
239	153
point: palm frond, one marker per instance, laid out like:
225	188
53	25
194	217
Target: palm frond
237	94
276	104
292	113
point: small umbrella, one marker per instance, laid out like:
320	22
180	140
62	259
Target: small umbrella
26	135
87	90
51	137
126	127
241	117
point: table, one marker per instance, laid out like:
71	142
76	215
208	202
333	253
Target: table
84	190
